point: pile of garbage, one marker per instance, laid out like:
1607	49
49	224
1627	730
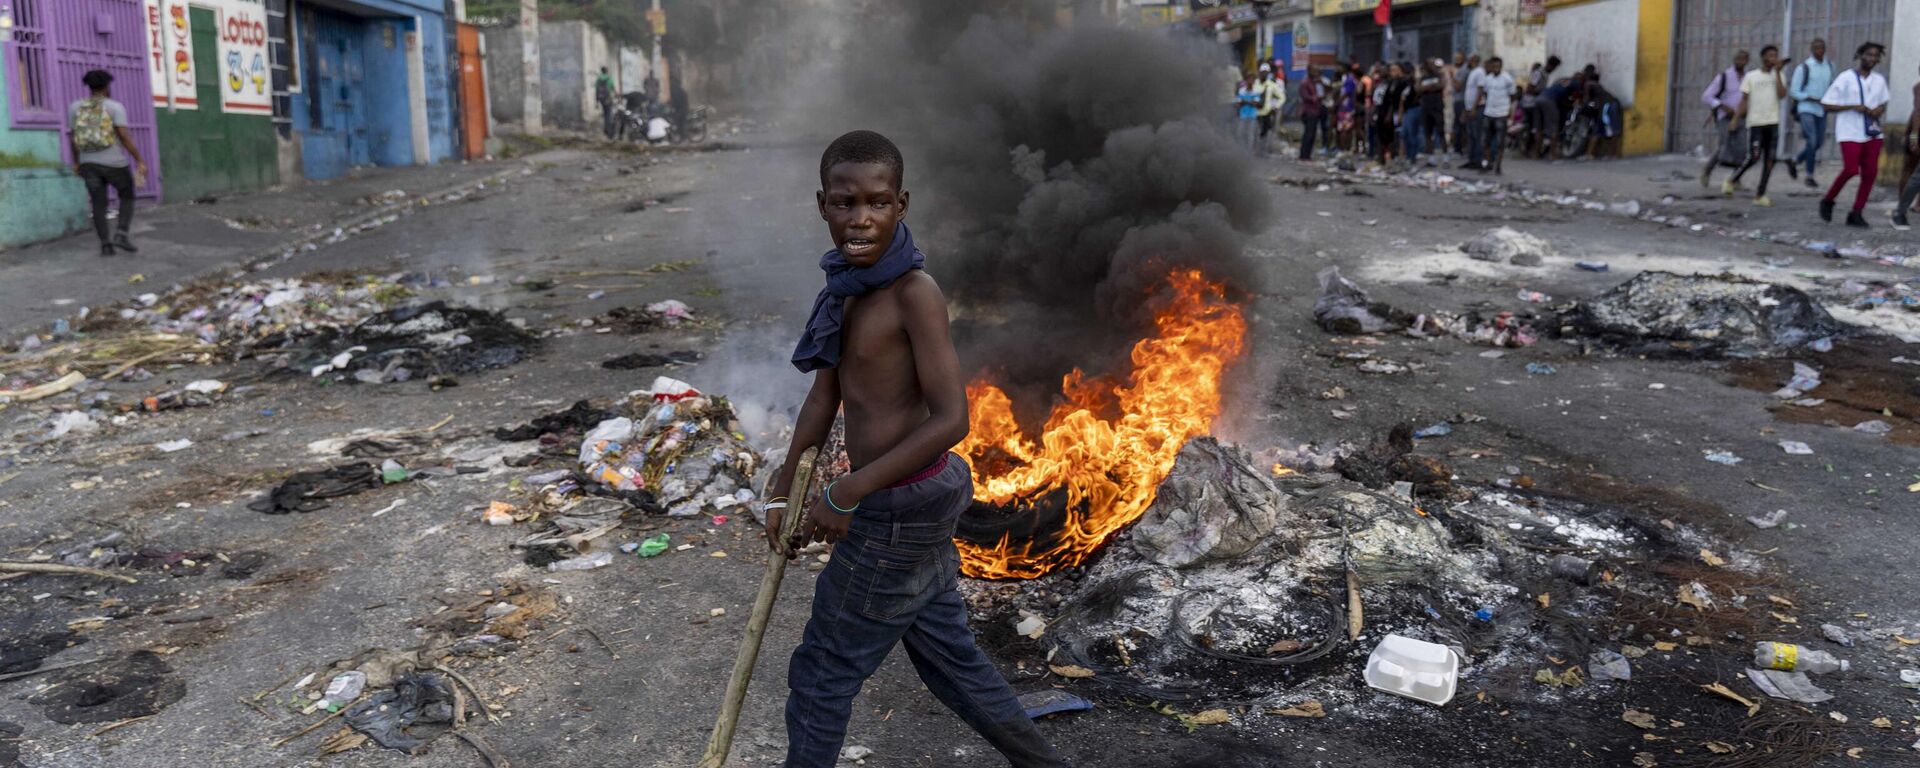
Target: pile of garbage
670	448
1662	313
1345	308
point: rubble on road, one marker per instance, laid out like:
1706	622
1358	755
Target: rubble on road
1661	313
1506	245
411	341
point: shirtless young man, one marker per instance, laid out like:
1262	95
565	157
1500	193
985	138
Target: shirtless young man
878	345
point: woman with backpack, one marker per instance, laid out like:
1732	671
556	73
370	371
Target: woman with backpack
102	152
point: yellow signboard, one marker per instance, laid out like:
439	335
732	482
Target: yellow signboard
1344	7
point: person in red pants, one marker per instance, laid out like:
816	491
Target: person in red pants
1859	97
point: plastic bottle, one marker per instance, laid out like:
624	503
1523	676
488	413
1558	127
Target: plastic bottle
1788	657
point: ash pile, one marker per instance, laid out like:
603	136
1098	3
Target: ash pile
1239	586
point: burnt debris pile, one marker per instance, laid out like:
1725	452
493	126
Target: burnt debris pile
1661	313
1241	585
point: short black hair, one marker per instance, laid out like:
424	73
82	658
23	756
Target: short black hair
97	78
864	147
1862	50
1495	60
1771	48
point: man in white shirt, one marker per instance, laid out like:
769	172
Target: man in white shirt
1859	98
1493	101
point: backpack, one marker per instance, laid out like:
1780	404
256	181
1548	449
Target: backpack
93	126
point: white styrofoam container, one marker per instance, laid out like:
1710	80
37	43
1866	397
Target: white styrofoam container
1416	669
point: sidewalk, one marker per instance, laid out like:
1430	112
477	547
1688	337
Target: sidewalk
182	241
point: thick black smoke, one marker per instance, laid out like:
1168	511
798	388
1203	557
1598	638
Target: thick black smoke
1059	172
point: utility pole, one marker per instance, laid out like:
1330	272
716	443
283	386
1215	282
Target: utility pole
658	19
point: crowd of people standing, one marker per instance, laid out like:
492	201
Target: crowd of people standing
1469	112
1443	112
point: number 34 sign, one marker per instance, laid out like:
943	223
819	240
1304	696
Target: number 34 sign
245	83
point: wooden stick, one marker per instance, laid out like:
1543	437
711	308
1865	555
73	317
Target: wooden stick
477	698
317	723
8	565
722	740
44	670
1356	618
486	750
46	390
128	365
121	724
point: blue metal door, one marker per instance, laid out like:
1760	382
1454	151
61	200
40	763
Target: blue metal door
335	137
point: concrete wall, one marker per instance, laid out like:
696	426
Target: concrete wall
571	55
39	198
564	83
1500	30
506	76
1604	33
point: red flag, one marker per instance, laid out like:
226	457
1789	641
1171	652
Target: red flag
1381	11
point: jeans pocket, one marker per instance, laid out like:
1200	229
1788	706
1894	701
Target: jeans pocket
897	582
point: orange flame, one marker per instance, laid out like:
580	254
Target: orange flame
1109	444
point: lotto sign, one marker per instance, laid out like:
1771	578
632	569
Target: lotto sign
183	82
245	83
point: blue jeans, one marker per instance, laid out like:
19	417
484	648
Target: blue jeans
891	581
1813	128
1411	126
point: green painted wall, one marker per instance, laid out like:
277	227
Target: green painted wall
40	199
206	151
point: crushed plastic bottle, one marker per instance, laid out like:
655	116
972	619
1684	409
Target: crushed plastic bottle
1788	657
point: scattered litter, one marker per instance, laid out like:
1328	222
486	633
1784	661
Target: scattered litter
1533	297
654	545
1592	266
1030	626
1416	669
589	562
308	491
1836	634
1609	665
1788	657
390	716
174	446
1769	520
1723	457
1343	307
1805	379
1793	686
1796	448
1541	369
1441	429
1873	427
